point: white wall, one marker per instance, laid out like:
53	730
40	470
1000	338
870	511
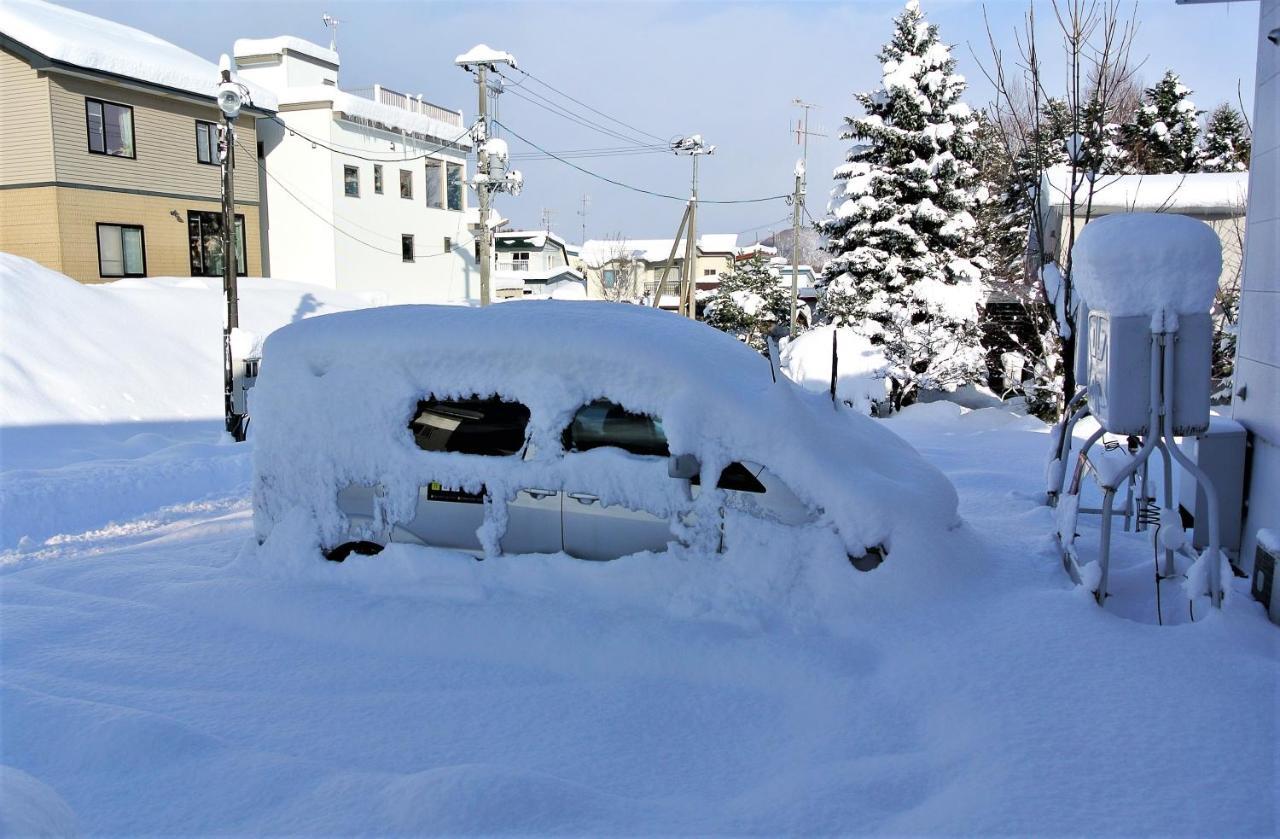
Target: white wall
299	200
1258	348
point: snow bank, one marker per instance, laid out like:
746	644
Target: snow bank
31	808
1144	263
860	366
333	403
131	350
96	43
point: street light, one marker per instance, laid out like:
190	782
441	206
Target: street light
231	97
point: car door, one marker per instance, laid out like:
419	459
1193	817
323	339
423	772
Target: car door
534	519
593	530
449	516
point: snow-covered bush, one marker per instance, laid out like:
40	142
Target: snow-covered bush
333	403
860	366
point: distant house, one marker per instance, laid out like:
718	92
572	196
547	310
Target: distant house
633	268
109	162
365	193
1219	199
532	263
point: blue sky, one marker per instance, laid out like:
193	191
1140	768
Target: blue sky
726	70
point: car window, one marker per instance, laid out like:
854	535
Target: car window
470	426
737	478
605	423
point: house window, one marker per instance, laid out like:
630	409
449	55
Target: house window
377	178
207	143
204	236
454	185
448	244
610	278
708	272
351	181
121	252
435	185
110	128
520	262
406	247
406	183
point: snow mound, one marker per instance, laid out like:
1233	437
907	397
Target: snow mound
334	400
860	365
1145	263
132	350
31	808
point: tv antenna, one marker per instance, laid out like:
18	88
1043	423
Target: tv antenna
331	23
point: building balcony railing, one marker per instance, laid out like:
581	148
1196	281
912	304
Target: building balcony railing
413	104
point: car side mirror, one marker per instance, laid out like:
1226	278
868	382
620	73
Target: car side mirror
683	466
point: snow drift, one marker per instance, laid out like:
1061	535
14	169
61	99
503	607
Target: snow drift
333	403
860	365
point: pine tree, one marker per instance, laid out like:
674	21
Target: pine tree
1226	142
905	266
749	301
1161	139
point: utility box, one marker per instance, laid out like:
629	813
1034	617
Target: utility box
1120	372
243	377
1220	452
1263	585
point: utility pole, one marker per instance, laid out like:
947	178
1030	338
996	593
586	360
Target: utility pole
797	201
230	99
695	148
481	59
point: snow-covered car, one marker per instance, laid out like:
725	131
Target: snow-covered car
591	429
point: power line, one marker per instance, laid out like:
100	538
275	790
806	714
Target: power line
641	190
551	107
550	87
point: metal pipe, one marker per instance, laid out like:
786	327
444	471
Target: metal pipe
1210	494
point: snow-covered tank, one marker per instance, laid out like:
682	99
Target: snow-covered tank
1145	275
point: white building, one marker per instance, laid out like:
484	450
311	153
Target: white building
534	263
361	194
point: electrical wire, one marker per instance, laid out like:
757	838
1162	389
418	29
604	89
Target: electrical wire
631	187
548	85
318	142
547	105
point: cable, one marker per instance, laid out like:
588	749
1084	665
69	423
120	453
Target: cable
547	105
262	167
547	85
317	142
641	190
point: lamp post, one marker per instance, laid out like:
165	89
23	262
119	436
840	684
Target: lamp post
230	99
695	148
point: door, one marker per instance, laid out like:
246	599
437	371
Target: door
449	516
593	530
534	520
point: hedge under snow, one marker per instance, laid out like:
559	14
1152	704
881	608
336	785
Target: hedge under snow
333	403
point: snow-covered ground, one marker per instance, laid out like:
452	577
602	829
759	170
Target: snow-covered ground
159	677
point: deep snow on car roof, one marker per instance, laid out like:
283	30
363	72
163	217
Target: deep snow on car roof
335	394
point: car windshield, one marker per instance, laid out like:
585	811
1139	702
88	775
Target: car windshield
470	426
605	423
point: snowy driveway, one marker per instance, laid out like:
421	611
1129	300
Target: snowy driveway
158	679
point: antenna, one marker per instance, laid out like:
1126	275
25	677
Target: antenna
547	212
331	23
586	202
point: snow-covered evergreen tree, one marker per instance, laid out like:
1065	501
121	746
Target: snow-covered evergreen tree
750	300
1161	139
905	266
1226	142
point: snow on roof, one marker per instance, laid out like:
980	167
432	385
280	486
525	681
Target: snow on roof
280	43
599	251
104	46
1144	263
1197	192
483	54
389	116
332	405
537	238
